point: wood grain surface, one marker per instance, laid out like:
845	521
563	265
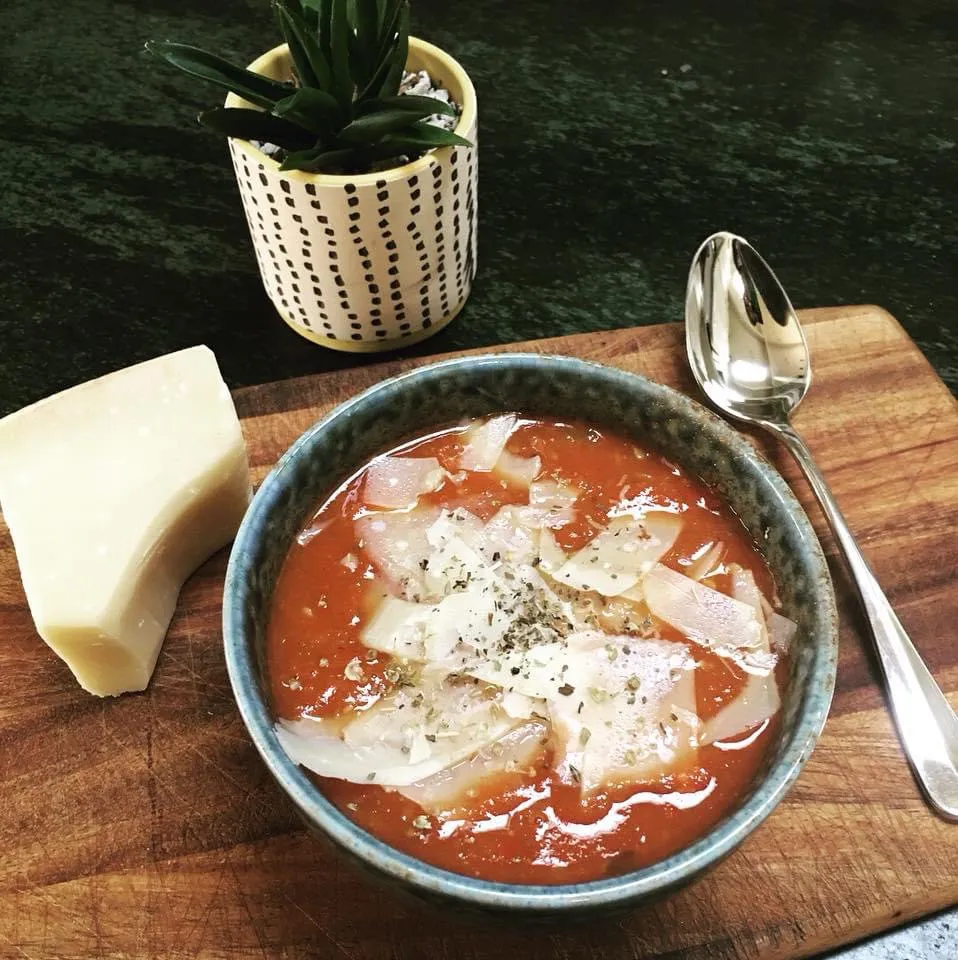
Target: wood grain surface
147	826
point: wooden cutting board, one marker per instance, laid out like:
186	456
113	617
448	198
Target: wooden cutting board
147	826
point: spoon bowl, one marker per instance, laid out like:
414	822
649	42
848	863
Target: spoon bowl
746	346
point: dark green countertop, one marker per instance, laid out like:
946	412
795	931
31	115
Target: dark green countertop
614	137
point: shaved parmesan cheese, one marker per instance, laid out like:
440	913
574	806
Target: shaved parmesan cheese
552	502
535	673
456	523
630	714
550	494
317	747
410	735
758	701
398	545
519	471
745	588
313	530
512	534
781	631
551	555
465	618
519	534
521	708
424	632
398	482
707	562
452	567
466	631
706	616
450	716
617	557
497	645
453	788
484	443
621	615
398	628
517	623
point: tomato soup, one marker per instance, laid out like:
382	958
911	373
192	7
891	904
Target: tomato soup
528	651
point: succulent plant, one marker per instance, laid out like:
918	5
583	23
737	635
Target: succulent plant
343	113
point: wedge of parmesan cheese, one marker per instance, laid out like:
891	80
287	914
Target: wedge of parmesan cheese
114	492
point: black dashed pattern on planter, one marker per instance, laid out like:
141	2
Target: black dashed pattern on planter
470	218
415	238
439	240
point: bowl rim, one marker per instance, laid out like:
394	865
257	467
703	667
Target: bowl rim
657	877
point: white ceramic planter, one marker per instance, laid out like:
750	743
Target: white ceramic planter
374	261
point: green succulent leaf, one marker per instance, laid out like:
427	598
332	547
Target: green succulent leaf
312	67
320	160
318	8
313	110
388	13
207	66
423	136
370	128
245	124
410	103
365	21
364	42
302	159
320	12
375	83
358	64
339	30
310	17
386	60
391	13
339	159
397	60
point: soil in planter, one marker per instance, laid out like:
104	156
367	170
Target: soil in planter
417	83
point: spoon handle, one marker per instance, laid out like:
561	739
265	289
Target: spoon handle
927	725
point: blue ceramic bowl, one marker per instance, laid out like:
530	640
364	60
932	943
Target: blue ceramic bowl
687	434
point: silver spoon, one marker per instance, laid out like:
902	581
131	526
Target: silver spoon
748	353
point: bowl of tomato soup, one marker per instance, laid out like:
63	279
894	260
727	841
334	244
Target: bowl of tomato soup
529	633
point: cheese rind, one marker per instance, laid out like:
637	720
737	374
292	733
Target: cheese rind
114	492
